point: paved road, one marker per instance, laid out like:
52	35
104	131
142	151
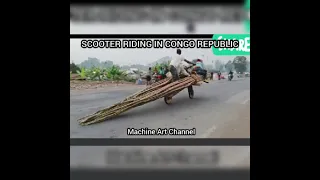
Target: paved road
219	109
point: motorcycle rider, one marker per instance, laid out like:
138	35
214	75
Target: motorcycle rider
200	70
219	75
231	74
176	66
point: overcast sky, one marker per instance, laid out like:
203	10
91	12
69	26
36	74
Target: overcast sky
145	56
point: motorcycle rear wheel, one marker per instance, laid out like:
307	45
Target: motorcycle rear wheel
167	100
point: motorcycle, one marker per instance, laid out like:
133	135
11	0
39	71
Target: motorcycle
190	69
230	76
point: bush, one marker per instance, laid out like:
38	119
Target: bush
96	73
74	68
129	79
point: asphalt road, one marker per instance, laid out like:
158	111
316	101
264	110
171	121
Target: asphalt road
219	109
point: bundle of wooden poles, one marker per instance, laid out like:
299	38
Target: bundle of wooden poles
160	89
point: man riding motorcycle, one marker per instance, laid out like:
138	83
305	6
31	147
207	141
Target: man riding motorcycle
230	74
219	75
200	69
176	66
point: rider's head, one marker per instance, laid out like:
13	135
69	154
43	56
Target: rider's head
150	68
179	51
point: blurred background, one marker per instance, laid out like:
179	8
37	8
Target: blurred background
162	19
173	157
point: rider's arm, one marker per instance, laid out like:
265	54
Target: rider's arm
189	62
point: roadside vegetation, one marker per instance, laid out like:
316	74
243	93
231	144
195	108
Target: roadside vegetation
238	64
110	73
113	73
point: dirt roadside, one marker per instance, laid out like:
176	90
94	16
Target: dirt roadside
83	87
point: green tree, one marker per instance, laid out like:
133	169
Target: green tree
218	65
229	66
222	69
96	73
115	73
248	66
82	73
240	64
74	68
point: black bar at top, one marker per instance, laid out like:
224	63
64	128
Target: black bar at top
159	142
140	36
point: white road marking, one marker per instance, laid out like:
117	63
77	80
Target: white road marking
245	101
208	132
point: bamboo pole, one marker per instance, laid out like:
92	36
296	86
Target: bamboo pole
155	91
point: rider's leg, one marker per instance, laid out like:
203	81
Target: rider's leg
205	74
183	71
174	73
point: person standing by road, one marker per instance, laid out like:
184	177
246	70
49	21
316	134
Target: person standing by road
149	74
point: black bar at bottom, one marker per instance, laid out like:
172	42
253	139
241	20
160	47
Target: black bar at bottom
160	142
102	174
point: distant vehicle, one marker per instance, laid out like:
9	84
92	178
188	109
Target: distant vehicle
230	77
247	74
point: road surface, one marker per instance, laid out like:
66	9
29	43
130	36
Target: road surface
220	109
